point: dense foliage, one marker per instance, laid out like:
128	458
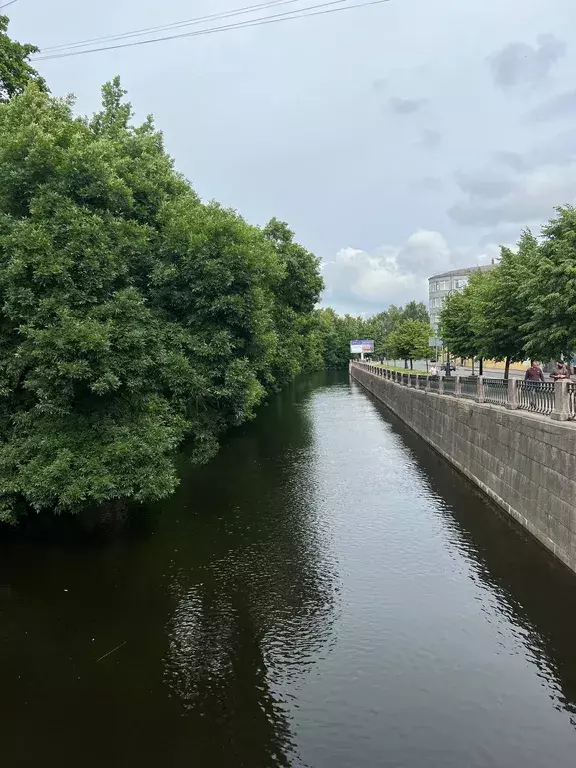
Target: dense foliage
133	315
526	305
15	68
410	340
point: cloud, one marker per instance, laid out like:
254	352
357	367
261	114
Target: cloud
532	198
380	84
517	188
429	184
557	107
361	282
430	139
520	64
405	106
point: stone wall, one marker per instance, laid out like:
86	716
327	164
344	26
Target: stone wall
525	462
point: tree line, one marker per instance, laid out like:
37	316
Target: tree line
525	307
399	333
133	315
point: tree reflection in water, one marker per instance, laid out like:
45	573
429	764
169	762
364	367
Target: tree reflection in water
255	589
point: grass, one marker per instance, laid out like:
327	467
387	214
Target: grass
401	369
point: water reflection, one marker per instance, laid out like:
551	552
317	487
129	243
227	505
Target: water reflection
256	603
520	580
327	593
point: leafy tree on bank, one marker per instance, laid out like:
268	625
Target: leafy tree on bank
501	312
15	68
549	290
415	310
410	340
456	323
133	315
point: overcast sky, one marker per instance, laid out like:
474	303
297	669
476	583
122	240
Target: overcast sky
397	140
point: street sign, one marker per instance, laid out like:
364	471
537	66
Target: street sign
435	342
361	346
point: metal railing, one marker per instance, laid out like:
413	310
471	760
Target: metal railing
495	391
449	385
469	386
537	396
548	398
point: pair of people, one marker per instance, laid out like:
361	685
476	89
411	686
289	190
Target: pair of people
534	373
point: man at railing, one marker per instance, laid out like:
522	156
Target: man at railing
560	372
532	376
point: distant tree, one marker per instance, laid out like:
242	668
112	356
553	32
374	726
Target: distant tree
501	311
548	291
456	321
15	69
416	310
410	340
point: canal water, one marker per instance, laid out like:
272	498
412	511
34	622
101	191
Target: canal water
326	593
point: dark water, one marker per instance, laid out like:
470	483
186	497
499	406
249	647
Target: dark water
327	593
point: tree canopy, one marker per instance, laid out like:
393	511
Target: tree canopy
15	68
410	340
526	305
133	315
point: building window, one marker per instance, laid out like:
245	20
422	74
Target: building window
444	285
461	283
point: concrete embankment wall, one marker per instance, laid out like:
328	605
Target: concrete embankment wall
526	463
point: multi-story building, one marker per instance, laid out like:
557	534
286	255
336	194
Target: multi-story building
439	286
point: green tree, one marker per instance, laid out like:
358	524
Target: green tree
416	310
501	311
548	290
457	319
410	340
132	315
15	68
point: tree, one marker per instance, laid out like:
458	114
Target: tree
132	315
462	319
410	340
416	310
548	291
501	312
15	69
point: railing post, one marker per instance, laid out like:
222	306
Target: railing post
561	410
512	394
480	389
427	384
440	385
458	387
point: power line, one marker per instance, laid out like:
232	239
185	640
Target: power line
264	20
7	4
174	25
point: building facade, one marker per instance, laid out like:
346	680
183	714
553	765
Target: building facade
440	286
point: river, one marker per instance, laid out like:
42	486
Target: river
326	593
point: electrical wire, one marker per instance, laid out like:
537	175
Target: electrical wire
7	4
264	20
174	25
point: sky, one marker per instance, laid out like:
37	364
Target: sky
397	140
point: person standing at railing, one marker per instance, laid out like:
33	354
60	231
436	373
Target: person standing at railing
533	377
433	372
560	372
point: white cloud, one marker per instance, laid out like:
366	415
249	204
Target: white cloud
405	106
360	282
530	198
518	188
520	64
